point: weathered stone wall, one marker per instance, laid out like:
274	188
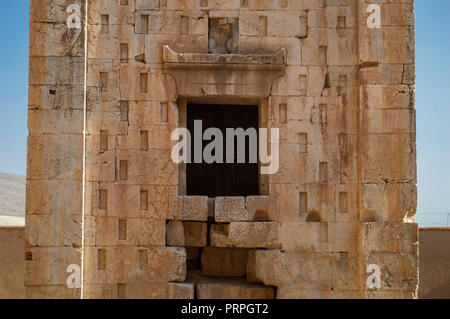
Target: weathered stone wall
55	150
12	265
341	94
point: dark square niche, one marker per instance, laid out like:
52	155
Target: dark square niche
223	35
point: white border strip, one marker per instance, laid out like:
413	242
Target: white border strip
83	208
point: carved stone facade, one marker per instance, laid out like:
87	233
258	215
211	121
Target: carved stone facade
340	92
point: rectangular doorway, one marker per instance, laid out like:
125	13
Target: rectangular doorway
223	179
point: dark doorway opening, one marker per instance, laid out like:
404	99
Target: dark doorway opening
223	179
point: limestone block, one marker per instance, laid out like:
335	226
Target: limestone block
254	76
304	237
166	169
345	276
51	292
134	138
175	234
233	291
158	202
182	43
284	24
195	24
130	83
388	157
160	291
55	230
251	25
349	164
389	294
121	200
342	237
289	168
341	50
48	265
320	200
138	232
251	267
136	265
224	262
55	157
347	207
398	270
55	121
109	44
382	45
390	237
310	173
328	17
101	291
258	208
230	209
269	45
195	234
56	40
61	97
340	114
106	120
188	208
142	167
308	271
386	74
104	100
392	202
246	235
109	66
141	291
288	201
295	82
390	121
156	134
101	165
223	34
397	14
56	70
269	5
302	293
53	11
189	234
42	199
118	15
387	97
144	113
345	294
298	109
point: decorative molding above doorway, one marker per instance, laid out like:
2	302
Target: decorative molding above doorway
238	75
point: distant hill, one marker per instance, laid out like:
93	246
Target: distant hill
12	195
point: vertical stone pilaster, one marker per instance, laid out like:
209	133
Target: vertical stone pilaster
55	148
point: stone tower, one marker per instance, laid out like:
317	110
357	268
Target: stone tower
110	215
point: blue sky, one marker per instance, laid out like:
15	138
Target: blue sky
432	93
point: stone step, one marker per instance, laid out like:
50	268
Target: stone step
233	291
228	288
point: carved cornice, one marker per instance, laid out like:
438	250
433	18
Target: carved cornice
199	74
